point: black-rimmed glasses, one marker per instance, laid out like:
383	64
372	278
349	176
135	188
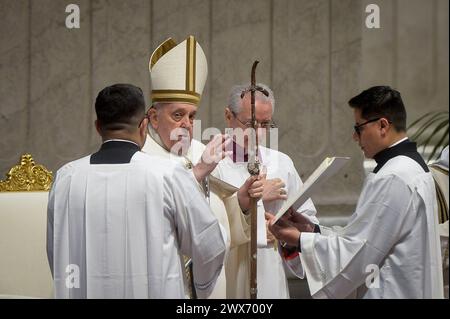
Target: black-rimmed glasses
358	127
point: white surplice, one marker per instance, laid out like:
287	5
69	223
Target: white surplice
391	243
119	231
224	206
271	276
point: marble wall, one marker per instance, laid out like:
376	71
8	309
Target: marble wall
315	54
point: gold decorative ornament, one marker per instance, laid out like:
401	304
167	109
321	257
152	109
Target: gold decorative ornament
188	163
27	176
188	271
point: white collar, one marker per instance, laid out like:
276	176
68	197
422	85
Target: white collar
398	142
120	140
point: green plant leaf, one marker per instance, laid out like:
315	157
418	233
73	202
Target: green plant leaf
429	122
443	141
420	119
431	114
435	131
427	127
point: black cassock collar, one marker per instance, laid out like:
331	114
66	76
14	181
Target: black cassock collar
115	152
405	148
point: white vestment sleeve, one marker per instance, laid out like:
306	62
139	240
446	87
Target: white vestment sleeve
328	231
55	191
198	230
261	227
239	223
336	264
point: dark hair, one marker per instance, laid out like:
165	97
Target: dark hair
381	101
120	106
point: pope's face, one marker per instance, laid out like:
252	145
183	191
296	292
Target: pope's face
263	114
174	124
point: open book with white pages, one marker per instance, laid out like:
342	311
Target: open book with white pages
329	167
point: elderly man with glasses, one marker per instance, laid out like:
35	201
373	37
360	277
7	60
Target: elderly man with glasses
279	177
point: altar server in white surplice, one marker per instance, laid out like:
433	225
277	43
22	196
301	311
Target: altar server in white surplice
120	220
390	247
281	177
178	75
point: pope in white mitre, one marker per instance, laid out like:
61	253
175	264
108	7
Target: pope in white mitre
178	75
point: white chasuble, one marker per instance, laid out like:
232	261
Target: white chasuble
224	206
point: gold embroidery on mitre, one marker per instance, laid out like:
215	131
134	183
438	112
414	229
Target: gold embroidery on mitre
27	176
163	48
190	63
175	96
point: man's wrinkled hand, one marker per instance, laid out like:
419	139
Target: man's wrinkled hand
212	155
274	189
252	189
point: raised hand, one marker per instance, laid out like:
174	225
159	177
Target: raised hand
212	155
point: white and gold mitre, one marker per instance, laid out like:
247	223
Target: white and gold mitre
178	72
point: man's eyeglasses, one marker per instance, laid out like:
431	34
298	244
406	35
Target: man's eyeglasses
248	124
358	127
